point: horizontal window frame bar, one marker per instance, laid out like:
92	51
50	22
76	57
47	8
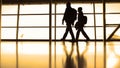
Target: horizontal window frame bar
52	14
57	40
114	25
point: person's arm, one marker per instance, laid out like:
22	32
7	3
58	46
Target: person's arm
64	17
63	21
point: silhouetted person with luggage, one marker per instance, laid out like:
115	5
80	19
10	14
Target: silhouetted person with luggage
69	17
82	20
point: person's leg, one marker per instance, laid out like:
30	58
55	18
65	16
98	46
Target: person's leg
71	32
85	35
65	34
77	34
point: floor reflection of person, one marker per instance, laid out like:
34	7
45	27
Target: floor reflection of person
69	62
80	57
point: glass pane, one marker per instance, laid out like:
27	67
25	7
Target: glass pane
86	7
34	33
34	9
59	20
34	20
112	7
9	9
60	8
8	33
99	20
99	32
113	19
98	7
117	34
109	30
9	20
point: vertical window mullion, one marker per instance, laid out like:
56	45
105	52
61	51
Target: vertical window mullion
0	29
94	31
104	31
17	31
50	33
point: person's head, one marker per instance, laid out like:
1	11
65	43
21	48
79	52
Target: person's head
68	4
80	9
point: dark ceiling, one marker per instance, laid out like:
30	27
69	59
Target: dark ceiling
57	1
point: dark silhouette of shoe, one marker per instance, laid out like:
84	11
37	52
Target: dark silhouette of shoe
88	39
62	39
73	40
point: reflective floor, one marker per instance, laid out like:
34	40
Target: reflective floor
64	54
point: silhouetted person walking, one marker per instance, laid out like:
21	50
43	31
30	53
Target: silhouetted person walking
82	20
69	17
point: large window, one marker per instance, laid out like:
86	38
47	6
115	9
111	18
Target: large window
34	20
34	25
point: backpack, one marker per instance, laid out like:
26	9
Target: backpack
82	23
70	15
74	15
84	19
